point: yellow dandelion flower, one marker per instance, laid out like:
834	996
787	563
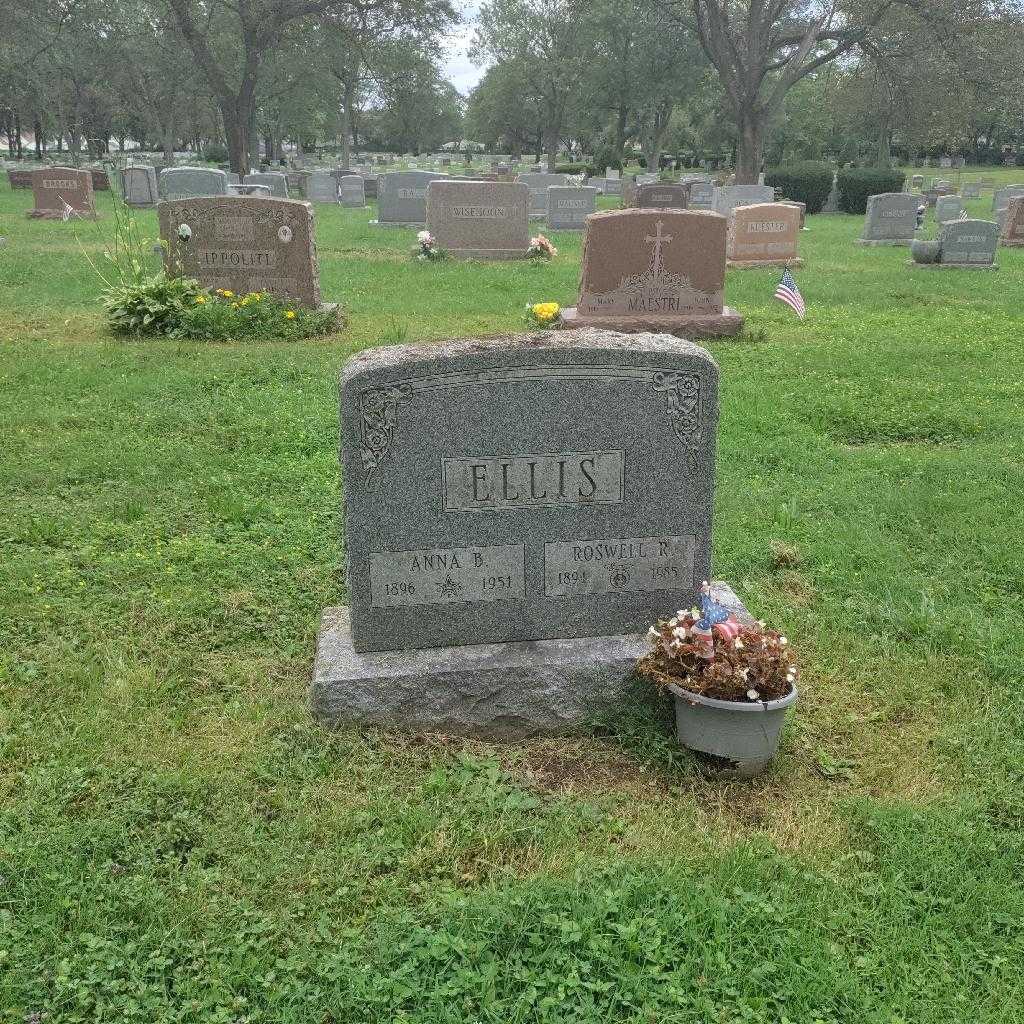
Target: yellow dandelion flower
546	311
289	314
228	293
200	299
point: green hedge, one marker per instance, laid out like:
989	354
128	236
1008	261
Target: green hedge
808	182
858	183
578	168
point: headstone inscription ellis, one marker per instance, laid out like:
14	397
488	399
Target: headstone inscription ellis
245	244
569	207
654	270
663	196
510	527
483	220
763	235
1012	233
192	182
891	219
55	188
139	186
402	197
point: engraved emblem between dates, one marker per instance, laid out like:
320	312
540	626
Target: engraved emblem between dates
378	411
682	394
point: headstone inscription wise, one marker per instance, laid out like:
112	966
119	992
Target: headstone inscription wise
569	207
763	235
510	528
53	187
245	244
484	220
891	219
654	270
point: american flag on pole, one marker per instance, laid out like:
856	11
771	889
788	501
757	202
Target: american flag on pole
788	293
68	210
963	215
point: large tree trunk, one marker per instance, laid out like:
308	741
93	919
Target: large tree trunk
749	146
169	139
348	95
551	133
237	132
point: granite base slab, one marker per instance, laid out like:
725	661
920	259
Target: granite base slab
497	691
59	215
398	223
489	254
952	266
760	264
883	241
682	325
1011	243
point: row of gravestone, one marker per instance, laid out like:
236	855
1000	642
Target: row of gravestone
642	269
892	219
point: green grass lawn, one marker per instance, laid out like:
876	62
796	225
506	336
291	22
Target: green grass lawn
180	843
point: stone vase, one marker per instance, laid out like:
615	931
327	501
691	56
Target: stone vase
744	735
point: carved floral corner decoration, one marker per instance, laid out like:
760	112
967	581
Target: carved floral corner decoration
682	396
378	412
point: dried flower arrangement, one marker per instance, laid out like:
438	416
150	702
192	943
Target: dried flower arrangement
708	652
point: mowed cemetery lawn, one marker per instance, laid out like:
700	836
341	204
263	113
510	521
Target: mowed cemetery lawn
179	842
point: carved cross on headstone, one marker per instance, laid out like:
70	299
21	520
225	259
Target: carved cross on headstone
658	240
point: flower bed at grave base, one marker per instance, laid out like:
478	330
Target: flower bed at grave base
169	307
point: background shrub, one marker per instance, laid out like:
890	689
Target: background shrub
857	183
809	182
576	168
216	153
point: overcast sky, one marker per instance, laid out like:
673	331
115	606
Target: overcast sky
460	70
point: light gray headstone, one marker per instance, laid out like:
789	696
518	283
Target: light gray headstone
353	191
728	197
663	195
274	180
516	490
139	186
480	219
402	196
971	190
702	195
568	207
971	242
322	187
1001	200
948	208
538	183
891	216
191	182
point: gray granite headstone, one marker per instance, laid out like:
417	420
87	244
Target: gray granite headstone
662	196
190	182
274	180
568	207
139	186
352	191
891	219
538	184
402	196
969	242
516	489
510	527
948	208
322	188
702	195
728	197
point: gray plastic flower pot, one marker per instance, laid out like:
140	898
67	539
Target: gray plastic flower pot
743	735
